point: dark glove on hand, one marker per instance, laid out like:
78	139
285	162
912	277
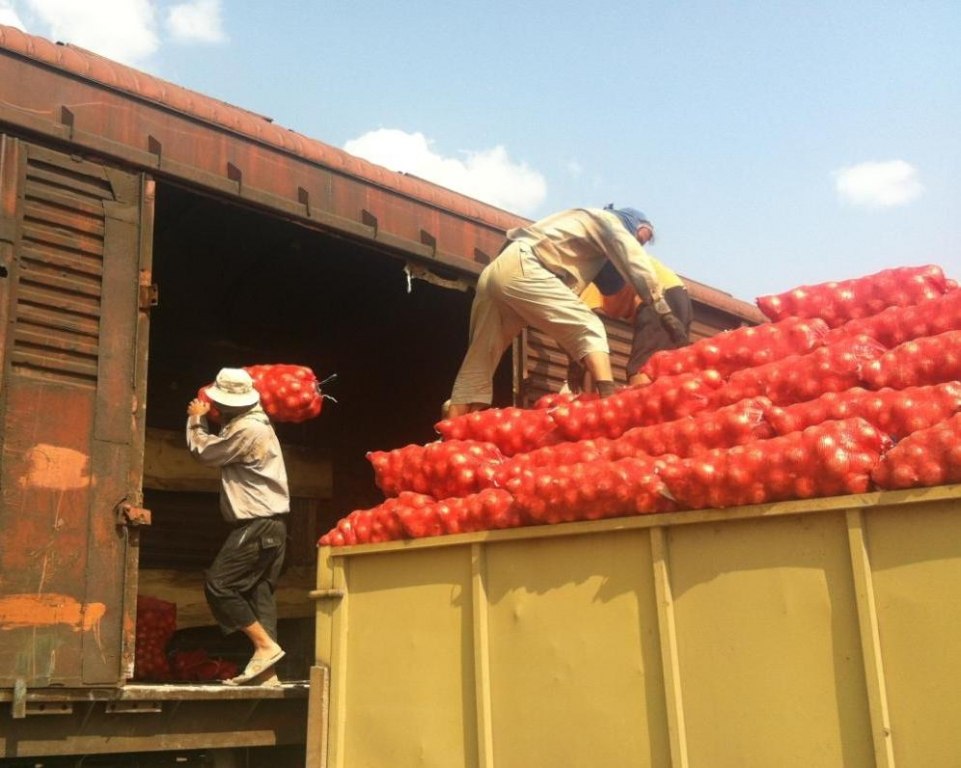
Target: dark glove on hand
674	329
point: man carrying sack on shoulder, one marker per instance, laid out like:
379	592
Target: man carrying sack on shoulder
255	501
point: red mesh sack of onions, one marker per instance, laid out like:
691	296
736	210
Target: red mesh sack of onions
590	491
741	348
553	399
928	360
838	302
798	378
928	457
440	469
413	516
665	399
196	665
570	452
725	427
833	458
512	430
156	624
896	325
288	393
896	412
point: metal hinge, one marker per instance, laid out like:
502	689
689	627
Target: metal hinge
133	707
326	594
128	514
49	708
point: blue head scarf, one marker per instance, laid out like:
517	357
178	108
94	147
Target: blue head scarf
609	280
631	218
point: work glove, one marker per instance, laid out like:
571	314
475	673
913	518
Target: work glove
675	329
671	324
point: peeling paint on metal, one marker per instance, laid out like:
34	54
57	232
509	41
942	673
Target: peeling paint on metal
56	468
20	611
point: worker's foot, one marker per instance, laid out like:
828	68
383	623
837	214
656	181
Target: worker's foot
605	388
255	675
267	679
260	663
453	410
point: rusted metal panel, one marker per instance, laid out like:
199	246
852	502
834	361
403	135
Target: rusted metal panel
75	96
68	418
545	363
10	174
43	523
148	196
165	718
233	152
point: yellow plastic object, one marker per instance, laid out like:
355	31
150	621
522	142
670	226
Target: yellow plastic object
817	633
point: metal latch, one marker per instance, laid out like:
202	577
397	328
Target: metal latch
326	594
149	296
149	292
128	514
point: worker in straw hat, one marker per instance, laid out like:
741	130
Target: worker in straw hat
537	280
255	501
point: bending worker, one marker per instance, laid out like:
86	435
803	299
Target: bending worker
537	280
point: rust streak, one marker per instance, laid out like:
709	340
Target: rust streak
19	611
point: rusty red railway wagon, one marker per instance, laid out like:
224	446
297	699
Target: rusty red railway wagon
148	236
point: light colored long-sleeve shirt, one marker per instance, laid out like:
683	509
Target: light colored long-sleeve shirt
252	470
575	244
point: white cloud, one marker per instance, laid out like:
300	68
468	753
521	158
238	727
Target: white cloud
878	185
9	17
123	30
574	168
489	174
197	21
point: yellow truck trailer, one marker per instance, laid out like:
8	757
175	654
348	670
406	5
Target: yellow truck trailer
812	633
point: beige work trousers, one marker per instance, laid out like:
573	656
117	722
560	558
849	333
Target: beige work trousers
514	291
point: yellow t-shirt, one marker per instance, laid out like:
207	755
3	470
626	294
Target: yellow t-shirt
623	304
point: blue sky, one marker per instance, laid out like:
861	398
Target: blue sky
774	144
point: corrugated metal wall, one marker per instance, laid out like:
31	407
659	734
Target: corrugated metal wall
543	365
68	412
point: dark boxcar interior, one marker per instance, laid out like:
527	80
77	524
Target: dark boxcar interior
240	287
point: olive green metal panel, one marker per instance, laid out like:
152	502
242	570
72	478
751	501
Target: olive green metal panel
916	558
820	633
768	644
408	691
574	653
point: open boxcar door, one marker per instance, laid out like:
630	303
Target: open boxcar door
74	253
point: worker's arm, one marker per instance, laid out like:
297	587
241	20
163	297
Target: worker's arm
632	261
212	450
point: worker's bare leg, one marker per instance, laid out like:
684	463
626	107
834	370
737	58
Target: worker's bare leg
598	365
264	645
453	410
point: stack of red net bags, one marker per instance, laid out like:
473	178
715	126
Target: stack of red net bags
156	624
850	387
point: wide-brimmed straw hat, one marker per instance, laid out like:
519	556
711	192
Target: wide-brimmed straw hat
233	388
